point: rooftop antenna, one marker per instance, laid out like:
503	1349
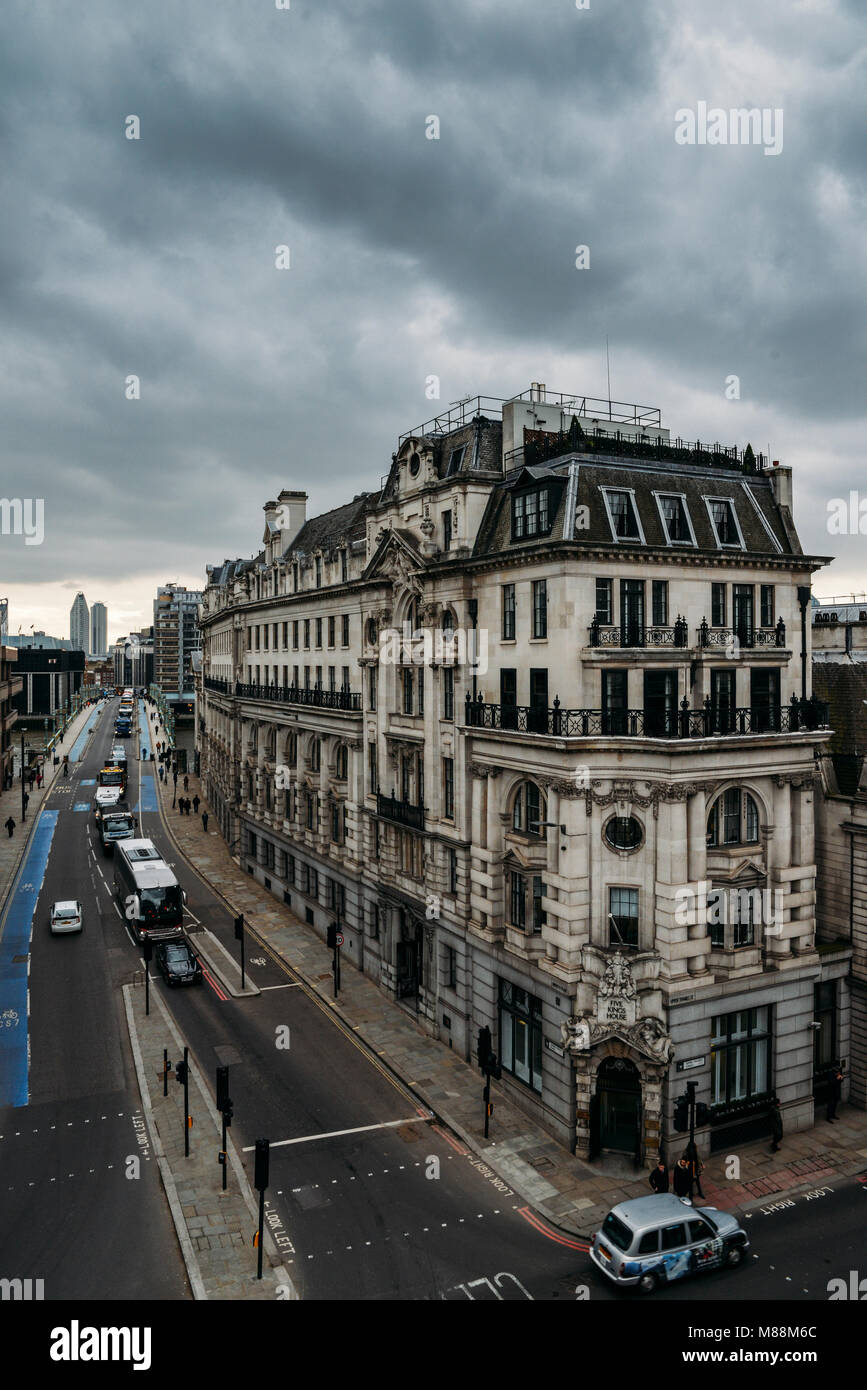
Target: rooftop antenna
608	369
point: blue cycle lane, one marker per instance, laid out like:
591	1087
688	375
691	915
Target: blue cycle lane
148	792
77	748
14	957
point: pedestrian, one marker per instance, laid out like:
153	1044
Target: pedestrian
162	772
196	803
186	805
186	784
659	1178
776	1126
25	801
205	821
39	778
696	1167
834	1096
10	826
144	754
682	1178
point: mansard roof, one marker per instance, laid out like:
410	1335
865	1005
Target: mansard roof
346	523
577	510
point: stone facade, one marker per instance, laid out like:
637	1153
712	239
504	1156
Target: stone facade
521	721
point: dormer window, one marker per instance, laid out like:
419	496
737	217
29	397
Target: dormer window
456	458
622	514
675	519
724	522
530	515
319	571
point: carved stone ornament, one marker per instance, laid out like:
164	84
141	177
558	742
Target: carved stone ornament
625	791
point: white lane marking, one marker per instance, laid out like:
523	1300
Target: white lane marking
293	984
337	1133
117	910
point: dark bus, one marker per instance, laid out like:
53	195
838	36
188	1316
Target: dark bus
148	892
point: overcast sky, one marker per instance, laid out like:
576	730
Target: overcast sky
409	257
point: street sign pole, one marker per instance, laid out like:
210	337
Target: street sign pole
487	1100
260	1181
239	936
186	1104
148	946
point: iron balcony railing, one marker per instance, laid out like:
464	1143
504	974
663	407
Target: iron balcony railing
401	812
745	635
636	635
682	722
288	694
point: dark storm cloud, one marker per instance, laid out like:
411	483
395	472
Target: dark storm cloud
306	127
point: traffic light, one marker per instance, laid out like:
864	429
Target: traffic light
228	1112
493	1067
181	1072
681	1115
483	1051
702	1114
260	1177
331	936
239	927
222	1087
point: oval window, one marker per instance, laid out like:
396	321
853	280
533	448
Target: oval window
623	832
414	464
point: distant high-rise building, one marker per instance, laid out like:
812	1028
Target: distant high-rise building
99	630
176	637
79	625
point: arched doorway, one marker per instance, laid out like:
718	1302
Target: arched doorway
618	1106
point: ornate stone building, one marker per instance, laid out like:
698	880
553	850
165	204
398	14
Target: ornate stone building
534	721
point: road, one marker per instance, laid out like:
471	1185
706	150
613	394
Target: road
369	1197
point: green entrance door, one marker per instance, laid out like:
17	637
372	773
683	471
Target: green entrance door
618	1086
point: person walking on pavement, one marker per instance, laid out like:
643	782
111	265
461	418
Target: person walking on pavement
25	801
776	1126
162	772
834	1096
10	826
682	1178
186	784
659	1178
696	1168
205	821
196	803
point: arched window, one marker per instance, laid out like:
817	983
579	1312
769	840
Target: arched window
342	762
292	749
371	631
528	809
733	819
315	754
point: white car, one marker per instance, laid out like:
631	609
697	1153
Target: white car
66	916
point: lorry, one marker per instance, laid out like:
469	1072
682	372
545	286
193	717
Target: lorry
116	823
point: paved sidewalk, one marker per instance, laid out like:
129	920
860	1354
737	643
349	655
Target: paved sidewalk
571	1193
12	850
215	1228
